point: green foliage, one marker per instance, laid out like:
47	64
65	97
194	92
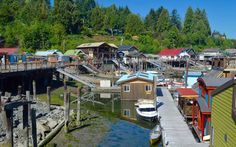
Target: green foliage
134	25
36	25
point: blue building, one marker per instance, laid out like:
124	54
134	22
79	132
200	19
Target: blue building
192	77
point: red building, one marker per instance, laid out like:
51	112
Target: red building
206	85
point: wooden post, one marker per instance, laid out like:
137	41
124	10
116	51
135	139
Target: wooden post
78	106
34	127
8	121
186	74
154	87
25	125
19	91
29	105
34	90
67	111
49	97
0	102
112	102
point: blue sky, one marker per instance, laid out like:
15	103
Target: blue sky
221	13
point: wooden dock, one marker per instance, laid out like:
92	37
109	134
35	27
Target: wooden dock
175	130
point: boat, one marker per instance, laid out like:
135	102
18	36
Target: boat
155	134
147	112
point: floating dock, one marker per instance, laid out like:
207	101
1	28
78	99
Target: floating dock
175	131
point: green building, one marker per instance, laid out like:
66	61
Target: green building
223	116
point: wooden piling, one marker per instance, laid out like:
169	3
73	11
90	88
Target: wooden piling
19	90
78	106
49	97
28	98
67	111
8	121
0	102
34	127
34	89
25	125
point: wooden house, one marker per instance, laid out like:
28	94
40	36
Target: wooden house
204	103
223	116
208	54
99	51
137	86
128	110
187	97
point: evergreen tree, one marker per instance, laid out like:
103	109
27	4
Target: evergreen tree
134	25
175	19
151	20
189	21
97	18
163	23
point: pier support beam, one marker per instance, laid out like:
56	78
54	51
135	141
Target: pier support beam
19	90
34	127
49	97
67	111
34	90
78	106
25	125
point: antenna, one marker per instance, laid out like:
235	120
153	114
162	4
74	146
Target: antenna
121	41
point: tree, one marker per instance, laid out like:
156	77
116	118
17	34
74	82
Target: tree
111	18
189	21
134	25
163	23
97	18
175	19
151	20
173	37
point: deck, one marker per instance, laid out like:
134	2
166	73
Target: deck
175	130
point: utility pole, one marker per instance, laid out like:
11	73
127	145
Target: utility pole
186	73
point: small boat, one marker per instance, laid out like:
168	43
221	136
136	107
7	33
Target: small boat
155	135
147	112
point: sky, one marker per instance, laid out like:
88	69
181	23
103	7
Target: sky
221	13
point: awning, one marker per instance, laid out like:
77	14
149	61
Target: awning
203	105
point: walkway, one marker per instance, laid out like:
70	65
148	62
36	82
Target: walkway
175	130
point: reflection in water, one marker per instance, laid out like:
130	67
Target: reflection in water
133	131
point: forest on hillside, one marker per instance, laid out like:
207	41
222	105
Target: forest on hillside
38	25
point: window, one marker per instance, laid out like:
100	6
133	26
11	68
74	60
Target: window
234	103
126	88
126	112
148	88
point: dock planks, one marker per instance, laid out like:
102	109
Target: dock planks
175	130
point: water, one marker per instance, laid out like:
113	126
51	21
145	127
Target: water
128	130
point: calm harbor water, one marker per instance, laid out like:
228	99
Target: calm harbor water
128	129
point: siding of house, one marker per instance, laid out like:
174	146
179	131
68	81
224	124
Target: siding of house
137	90
222	121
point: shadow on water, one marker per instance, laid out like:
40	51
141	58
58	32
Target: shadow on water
126	129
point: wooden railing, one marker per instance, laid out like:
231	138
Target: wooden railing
33	65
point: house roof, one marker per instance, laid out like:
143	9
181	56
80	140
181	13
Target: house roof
224	86
211	50
203	105
194	73
140	75
48	52
95	44
213	73
9	51
213	81
72	52
127	48
171	52
231	51
186	91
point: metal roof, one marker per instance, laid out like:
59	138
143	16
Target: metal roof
73	52
186	91
214	81
95	44
127	48
48	52
194	73
203	105
140	75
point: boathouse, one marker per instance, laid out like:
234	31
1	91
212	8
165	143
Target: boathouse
137	86
204	103
173	54
187	97
223	119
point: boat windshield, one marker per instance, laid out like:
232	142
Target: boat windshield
147	109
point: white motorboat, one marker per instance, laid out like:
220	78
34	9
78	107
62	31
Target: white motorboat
155	134
147	111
